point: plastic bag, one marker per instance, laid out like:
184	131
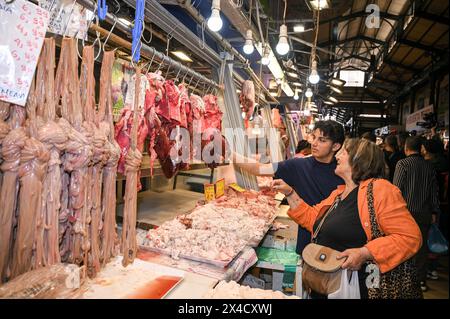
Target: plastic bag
436	241
349	289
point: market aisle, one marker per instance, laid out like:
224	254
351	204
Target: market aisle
438	289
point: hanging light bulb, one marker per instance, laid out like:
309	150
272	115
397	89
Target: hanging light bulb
266	53
337	90
309	93
248	46
215	22
314	77
333	99
296	97
283	45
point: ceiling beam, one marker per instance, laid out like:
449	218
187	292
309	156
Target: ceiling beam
357	38
432	17
399	65
384	15
421	46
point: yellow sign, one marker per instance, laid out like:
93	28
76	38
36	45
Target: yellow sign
209	192
220	188
236	187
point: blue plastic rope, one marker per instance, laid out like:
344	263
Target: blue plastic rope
102	9
137	30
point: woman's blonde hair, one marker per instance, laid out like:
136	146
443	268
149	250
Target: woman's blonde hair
366	159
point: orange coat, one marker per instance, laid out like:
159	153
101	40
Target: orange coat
402	235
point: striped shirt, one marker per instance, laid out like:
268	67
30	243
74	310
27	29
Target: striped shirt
416	179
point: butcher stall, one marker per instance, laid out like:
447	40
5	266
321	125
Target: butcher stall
114	176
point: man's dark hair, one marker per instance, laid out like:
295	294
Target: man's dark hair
402	139
331	129
369	136
414	143
433	146
303	144
391	140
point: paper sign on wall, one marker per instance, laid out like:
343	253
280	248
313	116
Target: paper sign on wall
67	17
22	28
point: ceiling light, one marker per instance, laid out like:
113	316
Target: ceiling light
314	77
333	99
215	22
125	21
283	45
328	103
299	28
297	84
336	81
371	115
309	93
292	74
266	56
182	56
319	4
296	97
248	46
339	91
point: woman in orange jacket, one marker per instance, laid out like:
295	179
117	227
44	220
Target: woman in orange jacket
347	228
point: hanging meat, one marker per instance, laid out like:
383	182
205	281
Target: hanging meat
4	129
33	166
247	99
153	96
213	143
132	167
54	139
12	147
108	233
124	125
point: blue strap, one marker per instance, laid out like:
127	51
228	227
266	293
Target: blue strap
102	9
137	30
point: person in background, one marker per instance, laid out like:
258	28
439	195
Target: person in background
369	136
416	179
303	149
433	152
401	139
392	154
348	228
313	177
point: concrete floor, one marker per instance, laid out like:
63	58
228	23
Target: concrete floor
438	289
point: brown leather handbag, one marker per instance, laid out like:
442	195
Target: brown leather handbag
321	271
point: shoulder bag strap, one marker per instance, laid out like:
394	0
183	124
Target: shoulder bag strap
376	232
332	207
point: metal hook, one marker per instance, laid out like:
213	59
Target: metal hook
179	70
109	34
167	73
160	65
118	10
184	77
195	87
151	61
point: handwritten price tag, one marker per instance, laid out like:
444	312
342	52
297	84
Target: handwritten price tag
210	193
220	188
22	28
236	187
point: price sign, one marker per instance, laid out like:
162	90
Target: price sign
22	28
220	188
236	187
67	17
210	193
